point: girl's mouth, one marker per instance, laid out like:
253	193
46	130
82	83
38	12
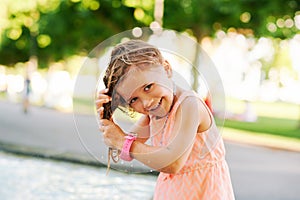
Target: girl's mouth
156	107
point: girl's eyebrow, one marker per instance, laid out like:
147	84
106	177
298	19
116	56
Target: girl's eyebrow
144	85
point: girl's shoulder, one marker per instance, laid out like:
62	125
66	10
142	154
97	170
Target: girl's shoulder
187	101
191	106
191	102
188	96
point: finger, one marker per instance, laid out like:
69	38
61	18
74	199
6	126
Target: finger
100	112
100	104
100	96
100	109
103	100
103	91
105	122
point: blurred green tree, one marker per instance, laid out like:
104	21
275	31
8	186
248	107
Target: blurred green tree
255	17
55	29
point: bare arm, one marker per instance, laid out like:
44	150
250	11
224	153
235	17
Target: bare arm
141	127
171	158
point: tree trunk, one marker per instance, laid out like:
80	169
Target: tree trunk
195	72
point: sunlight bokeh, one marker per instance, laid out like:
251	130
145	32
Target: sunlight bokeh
251	69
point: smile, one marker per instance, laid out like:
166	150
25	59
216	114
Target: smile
156	107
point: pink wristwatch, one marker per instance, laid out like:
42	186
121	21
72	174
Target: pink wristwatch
125	153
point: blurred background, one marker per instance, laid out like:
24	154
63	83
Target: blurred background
254	44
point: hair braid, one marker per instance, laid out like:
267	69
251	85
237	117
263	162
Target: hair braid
110	80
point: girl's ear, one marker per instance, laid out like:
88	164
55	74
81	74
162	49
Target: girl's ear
168	68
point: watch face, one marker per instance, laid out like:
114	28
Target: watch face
132	134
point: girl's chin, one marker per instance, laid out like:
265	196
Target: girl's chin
159	113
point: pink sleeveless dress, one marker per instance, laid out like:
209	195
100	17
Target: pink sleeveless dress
205	175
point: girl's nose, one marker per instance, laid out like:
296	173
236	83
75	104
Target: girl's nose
147	103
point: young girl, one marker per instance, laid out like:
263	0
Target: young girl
186	147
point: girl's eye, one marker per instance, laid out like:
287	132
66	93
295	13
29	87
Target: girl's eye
132	100
148	87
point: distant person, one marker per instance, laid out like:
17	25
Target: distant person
208	102
26	94
186	146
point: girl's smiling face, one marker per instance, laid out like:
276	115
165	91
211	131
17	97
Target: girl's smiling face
148	89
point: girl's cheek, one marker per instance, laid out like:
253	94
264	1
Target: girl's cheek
139	109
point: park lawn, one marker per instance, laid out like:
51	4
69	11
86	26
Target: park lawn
268	125
276	118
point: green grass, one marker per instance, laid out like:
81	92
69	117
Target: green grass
276	118
2	95
268	109
268	125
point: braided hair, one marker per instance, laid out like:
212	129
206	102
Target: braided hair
133	53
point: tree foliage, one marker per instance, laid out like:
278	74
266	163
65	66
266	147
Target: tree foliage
55	29
255	17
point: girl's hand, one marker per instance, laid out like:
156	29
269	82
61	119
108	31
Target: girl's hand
113	135
102	99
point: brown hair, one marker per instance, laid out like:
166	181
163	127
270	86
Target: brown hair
131	53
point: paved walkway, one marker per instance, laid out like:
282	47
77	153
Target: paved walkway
257	172
46	132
